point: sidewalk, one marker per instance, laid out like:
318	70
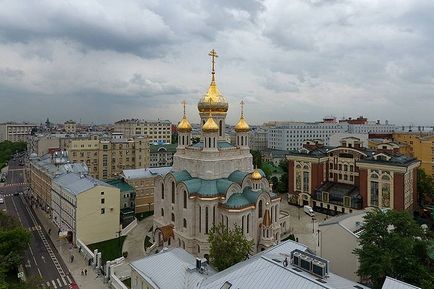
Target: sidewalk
135	240
91	281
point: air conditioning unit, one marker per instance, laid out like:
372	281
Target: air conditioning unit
319	268
296	259
306	263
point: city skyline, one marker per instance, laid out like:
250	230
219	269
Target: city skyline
105	61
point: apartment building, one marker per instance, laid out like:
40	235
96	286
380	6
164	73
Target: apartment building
44	169
70	126
143	182
85	208
258	139
421	146
161	155
15	132
155	130
291	135
106	158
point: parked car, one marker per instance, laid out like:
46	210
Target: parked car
2	201
308	210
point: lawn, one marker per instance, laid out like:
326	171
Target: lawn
110	249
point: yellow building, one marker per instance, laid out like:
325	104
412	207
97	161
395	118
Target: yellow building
107	158
421	147
70	126
86	208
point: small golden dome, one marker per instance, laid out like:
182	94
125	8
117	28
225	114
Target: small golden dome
210	126
256	175
184	125
242	125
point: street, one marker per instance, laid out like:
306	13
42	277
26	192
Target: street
41	259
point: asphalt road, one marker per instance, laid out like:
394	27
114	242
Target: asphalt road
41	259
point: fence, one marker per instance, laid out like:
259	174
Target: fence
128	228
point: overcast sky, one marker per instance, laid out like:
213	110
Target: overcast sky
101	61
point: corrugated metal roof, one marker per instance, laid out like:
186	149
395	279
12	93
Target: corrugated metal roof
391	283
77	183
145	172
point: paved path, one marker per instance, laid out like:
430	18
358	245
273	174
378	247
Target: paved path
134	242
91	281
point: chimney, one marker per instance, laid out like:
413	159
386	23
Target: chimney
198	264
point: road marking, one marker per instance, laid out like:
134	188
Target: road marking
16	210
58	281
64	282
48	284
34	259
54	284
69	279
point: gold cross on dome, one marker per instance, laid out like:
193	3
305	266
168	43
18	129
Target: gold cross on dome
184	103
213	55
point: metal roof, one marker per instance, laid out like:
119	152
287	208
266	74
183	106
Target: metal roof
391	283
145	172
78	183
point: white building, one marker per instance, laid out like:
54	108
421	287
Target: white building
291	135
213	182
15	132
267	269
155	130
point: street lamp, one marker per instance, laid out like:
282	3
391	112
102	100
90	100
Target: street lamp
313	225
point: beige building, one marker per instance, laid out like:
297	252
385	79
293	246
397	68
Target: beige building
15	132
258	139
70	126
143	182
155	130
86	208
106	158
43	144
338	238
43	169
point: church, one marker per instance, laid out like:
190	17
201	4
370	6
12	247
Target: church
212	182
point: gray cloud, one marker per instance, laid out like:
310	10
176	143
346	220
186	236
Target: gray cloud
300	60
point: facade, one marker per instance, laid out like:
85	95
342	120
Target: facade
161	155
421	146
258	139
275	268
213	182
350	177
106	158
156	130
43	144
339	237
15	132
291	135
44	169
86	208
70	126
143	182
335	139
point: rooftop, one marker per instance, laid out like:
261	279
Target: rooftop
78	183
145	173
391	283
120	184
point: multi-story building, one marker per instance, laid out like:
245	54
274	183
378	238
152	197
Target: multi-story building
161	155
258	139
15	132
421	146
213	181
86	208
350	177
143	183
106	158
70	126
291	135
43	144
155	130
44	169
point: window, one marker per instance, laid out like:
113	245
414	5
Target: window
248	223
173	192
162	191
185	199
102	193
206	220
242	223
162	212
173	217
102	211
102	201
184	223
374	194
260	209
200	220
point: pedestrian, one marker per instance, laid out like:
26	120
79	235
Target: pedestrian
85	272
72	258
49	231
82	272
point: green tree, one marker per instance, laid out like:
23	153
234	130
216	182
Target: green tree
13	241
227	247
267	168
393	244
257	158
425	186
282	186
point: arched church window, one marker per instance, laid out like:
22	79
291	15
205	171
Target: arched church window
184	223
242	223
185	199
220	128
173	217
162	191
260	209
173	192
162	212
206	220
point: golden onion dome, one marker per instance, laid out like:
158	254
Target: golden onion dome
210	126
242	125
213	100
184	125
256	175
